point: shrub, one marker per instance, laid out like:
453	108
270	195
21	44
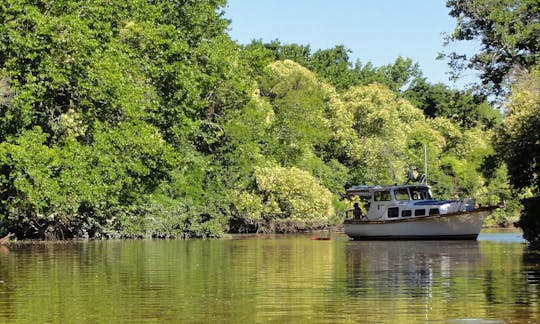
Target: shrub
529	220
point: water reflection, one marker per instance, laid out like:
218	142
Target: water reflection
455	280
278	278
531	269
409	276
406	265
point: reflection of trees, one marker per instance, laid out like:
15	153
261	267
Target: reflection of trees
486	280
413	280
282	278
505	279
407	267
531	271
6	289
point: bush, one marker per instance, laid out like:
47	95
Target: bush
529	220
293	193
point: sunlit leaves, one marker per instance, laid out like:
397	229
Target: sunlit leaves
518	143
382	122
293	193
300	110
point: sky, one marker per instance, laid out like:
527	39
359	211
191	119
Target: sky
376	31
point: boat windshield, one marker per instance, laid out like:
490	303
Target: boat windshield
381	195
402	194
420	193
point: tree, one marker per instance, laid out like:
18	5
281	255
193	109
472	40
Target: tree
334	65
517	143
116	99
382	122
301	54
400	75
529	221
299	106
508	35
507	59
463	106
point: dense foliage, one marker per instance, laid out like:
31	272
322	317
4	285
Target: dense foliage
136	118
518	141
508	59
529	221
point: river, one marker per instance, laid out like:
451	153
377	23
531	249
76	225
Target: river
271	279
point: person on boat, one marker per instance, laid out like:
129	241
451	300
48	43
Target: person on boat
357	212
411	175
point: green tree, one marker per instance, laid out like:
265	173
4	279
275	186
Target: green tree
335	66
299	108
517	143
301	54
119	100
508	53
382	122
399	75
529	221
464	107
508	35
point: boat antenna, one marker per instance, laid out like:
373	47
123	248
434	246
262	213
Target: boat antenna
425	164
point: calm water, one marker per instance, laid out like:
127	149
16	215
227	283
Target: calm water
250	279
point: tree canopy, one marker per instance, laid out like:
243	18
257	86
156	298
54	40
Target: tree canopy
508	59
136	118
507	32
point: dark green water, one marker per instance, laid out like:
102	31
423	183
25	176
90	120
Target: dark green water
255	279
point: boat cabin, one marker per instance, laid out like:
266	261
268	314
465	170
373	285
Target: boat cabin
401	201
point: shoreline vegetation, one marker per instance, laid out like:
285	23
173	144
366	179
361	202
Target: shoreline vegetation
282	228
144	119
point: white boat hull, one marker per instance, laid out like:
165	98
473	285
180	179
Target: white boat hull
461	225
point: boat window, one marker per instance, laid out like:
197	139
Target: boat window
419	212
406	213
381	195
420	194
366	200
401	194
434	211
393	212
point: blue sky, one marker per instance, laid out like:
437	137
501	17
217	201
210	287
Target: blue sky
376	31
